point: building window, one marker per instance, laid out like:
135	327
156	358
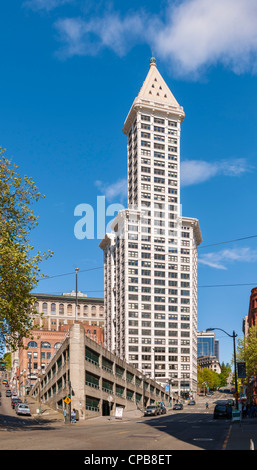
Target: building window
45	345
61	308
44	307
53	308
32	344
69	309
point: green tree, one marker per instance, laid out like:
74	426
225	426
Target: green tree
19	264
249	353
8	362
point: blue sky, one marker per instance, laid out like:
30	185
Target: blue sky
70	71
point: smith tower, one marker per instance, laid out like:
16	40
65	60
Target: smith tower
150	257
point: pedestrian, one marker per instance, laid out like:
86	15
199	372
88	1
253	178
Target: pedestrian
65	414
207	405
73	416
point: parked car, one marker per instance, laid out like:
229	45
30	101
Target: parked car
191	402
222	411
8	393
152	410
14	401
163	410
23	409
178	406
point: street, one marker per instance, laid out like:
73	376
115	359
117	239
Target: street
192	428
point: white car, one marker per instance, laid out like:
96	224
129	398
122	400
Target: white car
22	409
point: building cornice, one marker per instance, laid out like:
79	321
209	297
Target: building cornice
71	299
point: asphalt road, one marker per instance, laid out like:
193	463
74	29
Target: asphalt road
192	428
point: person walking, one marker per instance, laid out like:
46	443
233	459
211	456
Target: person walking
73	416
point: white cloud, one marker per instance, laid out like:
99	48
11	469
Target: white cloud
220	259
81	37
198	171
114	190
206	32
193	34
44	4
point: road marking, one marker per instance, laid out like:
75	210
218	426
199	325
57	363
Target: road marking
203	439
225	443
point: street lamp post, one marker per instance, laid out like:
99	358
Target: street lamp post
154	364
76	307
234	335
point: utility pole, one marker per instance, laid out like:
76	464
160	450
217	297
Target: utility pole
234	335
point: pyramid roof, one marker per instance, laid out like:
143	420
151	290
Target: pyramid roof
154	94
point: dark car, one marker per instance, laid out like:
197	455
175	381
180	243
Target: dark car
8	393
191	402
178	406
152	410
222	411
15	401
230	402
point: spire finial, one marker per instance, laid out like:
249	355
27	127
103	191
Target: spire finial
153	61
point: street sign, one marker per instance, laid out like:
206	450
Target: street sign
118	412
67	400
241	370
236	415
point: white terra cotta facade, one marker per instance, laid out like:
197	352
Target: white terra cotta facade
151	255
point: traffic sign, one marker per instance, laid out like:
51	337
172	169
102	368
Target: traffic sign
67	400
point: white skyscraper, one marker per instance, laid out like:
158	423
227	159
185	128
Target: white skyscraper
150	257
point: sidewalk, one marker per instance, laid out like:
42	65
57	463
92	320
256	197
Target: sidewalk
242	435
47	414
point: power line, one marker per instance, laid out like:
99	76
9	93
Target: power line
230	285
73	272
169	253
228	241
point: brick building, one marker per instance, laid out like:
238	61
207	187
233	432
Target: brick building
59	310
252	312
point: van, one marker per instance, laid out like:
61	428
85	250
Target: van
222	411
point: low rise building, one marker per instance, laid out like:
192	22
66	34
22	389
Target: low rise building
30	361
209	362
58	310
97	381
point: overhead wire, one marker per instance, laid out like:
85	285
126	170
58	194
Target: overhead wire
170	253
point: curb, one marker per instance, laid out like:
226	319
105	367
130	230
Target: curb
225	443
